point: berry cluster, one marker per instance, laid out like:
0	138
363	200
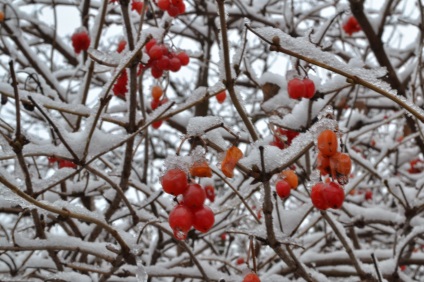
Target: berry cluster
61	162
161	59
80	40
330	161
173	7
231	158
327	195
283	138
191	211
301	88
351	26
221	96
287	180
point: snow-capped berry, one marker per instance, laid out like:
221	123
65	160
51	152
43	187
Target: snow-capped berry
174	182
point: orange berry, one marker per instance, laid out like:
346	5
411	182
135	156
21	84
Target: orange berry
1	16
291	177
157	92
233	155
323	164
327	143
201	169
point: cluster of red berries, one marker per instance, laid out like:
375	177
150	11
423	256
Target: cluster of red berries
301	88
191	211
283	138
221	96
351	26
80	40
287	180
61	162
173	7
329	160
161	59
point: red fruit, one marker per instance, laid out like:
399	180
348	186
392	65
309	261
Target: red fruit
174	182
344	164
210	192
120	87
317	196
309	88
181	220
327	143
173	10
137	6
150	44
203	219
233	155
184	58
194	197
157	92
283	189
351	26
174	64
156	73
296	88
416	166
157	124
221	96
80	41
223	236
181	8
240	261
368	195
156	52
334	195
66	163
154	104
121	46
163	4
52	160
251	277
163	63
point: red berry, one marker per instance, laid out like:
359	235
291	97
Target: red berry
317	196
283	189
291	178
174	64
163	63
181	220
210	193
184	58
327	143
323	164
173	10
333	195
66	163
150	44
240	261
174	182
309	88
52	160
221	96
156	73
251	277
194	197
157	124
120	87
223	236
368	195
80	41
163	4
181	8
137	6
156	52
154	104
203	219
296	88
121	46
351	26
